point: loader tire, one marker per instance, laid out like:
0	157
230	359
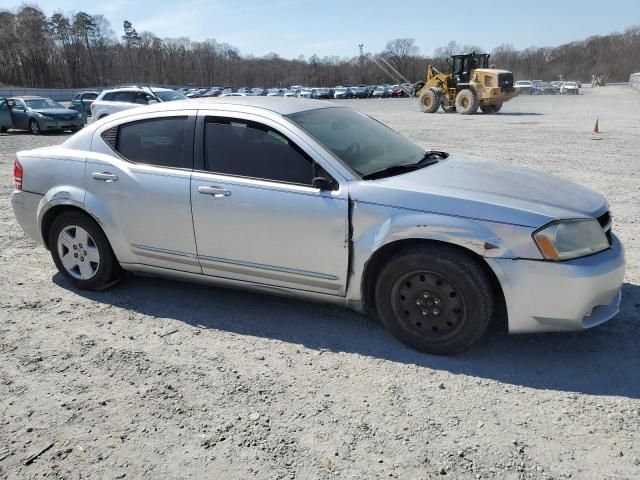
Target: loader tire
430	100
491	108
467	102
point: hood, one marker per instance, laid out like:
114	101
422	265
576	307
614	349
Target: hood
486	190
54	111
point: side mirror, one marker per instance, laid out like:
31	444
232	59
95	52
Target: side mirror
323	183
151	102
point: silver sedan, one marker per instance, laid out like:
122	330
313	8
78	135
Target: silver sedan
313	200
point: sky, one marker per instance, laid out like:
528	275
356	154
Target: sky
292	28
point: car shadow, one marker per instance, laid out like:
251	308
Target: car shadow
602	361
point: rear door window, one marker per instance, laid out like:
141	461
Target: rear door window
164	142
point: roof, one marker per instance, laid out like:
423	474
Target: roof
281	105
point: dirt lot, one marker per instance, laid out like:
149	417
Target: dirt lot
160	380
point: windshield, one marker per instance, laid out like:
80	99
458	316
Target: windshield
39	103
362	143
169	95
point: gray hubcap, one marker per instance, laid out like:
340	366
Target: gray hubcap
78	252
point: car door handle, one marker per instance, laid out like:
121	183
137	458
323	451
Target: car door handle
105	176
217	192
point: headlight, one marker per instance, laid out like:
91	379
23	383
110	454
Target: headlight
43	116
568	239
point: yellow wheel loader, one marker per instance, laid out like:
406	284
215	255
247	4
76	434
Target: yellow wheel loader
472	84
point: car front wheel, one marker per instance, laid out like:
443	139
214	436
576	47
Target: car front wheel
435	299
34	127
82	252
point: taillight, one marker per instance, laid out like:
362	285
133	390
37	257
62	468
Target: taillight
17	174
92	106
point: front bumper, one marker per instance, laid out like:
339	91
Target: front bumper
546	296
60	124
25	209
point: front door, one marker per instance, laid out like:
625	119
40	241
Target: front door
256	216
19	114
138	182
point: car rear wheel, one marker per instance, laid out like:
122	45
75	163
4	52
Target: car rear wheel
435	299
34	127
82	252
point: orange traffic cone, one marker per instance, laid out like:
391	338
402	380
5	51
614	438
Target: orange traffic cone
595	127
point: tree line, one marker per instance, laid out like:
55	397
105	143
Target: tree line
81	50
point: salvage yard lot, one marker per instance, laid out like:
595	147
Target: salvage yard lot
158	379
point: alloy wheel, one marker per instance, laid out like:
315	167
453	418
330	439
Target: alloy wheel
78	252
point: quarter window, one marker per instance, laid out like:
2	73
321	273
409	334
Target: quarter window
250	149
158	141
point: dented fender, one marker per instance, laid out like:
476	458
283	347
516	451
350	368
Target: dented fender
375	226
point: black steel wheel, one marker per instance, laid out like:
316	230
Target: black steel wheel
429	304
435	298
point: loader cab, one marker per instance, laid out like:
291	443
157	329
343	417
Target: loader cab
461	66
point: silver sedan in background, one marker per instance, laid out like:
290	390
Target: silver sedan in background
313	200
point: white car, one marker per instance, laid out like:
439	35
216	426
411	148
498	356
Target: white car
305	93
570	88
523	87
123	98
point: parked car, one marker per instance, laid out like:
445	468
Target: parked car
523	87
260	92
381	92
342	93
275	92
542	88
557	85
235	94
399	90
5	116
359	92
123	98
435	245
305	93
39	114
82	103
212	92
322	93
570	88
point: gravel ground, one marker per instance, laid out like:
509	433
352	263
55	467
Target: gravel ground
157	379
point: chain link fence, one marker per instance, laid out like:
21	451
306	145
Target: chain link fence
634	80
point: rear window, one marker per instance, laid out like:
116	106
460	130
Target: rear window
159	141
128	97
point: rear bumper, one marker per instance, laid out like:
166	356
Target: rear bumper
25	209
562	296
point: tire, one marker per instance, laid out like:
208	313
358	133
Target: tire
34	127
435	299
491	108
94	266
467	102
430	100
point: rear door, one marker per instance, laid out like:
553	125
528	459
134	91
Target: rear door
256	215
138	185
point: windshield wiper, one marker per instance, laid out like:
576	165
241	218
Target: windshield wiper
430	158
